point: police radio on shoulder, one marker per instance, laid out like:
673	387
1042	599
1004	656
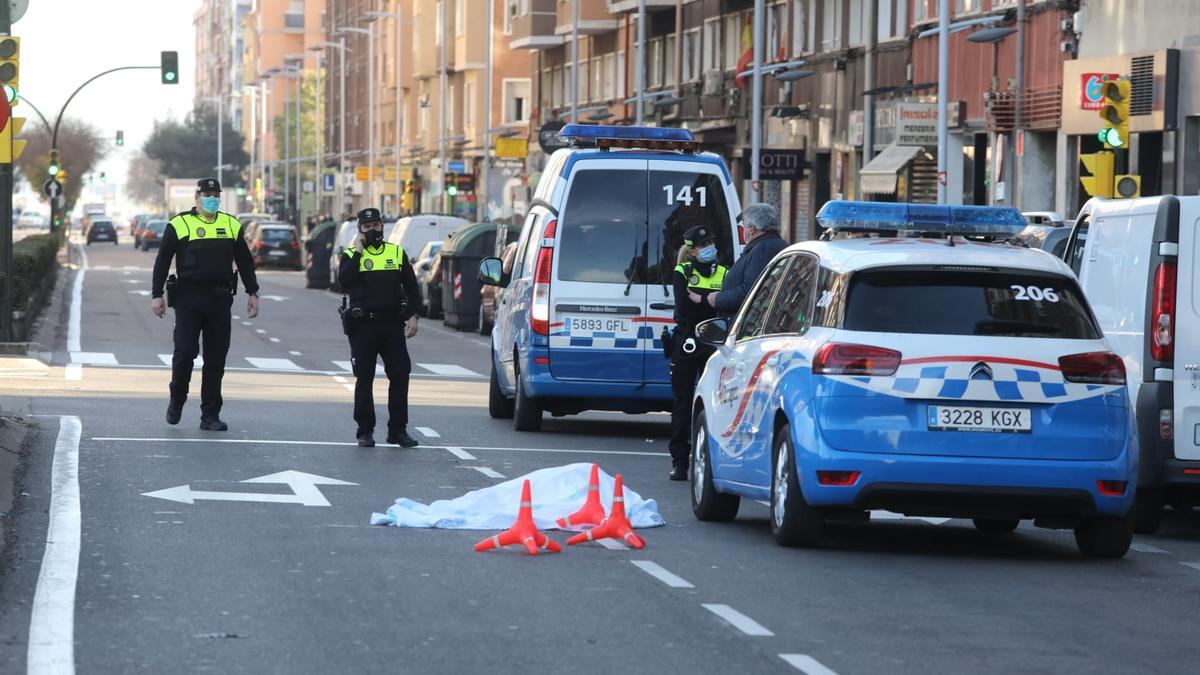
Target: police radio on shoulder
878	217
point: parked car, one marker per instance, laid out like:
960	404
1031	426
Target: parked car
1137	261
1045	230
411	233
966	381
347	234
490	297
101	230
152	234
316	255
590	288
276	244
33	220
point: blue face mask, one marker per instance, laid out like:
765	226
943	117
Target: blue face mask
708	254
210	204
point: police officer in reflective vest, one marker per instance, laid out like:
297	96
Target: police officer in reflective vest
206	244
696	276
381	286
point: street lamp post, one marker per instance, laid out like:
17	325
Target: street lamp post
442	85
640	75
370	33
340	45
399	130
943	128
220	133
756	105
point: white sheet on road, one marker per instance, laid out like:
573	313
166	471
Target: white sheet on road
557	491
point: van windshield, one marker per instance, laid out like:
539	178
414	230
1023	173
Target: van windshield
602	230
680	200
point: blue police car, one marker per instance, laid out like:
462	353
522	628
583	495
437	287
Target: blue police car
915	362
590	287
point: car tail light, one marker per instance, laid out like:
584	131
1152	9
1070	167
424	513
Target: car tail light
1162	316
741	234
541	360
849	359
1166	424
540	313
296	244
1093	368
1191	472
1112	488
838	478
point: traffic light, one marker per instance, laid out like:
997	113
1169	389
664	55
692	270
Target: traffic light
120	137
53	168
169	67
10	67
1115	113
1127	187
452	184
1100	165
11	147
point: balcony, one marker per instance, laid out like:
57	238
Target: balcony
627	6
594	18
535	30
1041	109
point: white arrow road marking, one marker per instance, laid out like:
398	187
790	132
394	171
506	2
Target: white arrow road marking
276	298
304	490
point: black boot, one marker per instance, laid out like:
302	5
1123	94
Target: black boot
366	440
174	412
679	469
402	439
213	424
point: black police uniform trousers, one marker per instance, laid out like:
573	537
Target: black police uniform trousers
380	336
201	312
685	371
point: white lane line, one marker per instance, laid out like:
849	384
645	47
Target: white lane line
166	359
260	331
295	353
76	317
612	544
1147	548
144	293
738	620
659	572
487	471
272	364
428	433
449	370
73	371
94	358
349	388
806	664
271	441
52	620
247	323
461	454
346	366
339	379
132	281
274	339
235	317
1193	565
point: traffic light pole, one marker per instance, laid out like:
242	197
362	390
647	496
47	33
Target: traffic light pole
6	224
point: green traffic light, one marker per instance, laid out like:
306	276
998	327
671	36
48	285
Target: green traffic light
53	170
1111	137
452	190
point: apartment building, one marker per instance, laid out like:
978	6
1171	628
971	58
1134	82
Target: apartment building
219	53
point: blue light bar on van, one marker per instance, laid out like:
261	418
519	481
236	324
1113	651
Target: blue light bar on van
846	216
601	136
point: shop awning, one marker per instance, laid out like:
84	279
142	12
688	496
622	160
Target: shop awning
879	175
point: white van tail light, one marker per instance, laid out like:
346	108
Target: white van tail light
1093	368
1162	317
1166	424
540	312
849	359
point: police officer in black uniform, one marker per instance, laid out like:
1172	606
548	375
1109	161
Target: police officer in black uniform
206	244
697	275
379	281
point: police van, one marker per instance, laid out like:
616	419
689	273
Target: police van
580	325
1137	262
916	363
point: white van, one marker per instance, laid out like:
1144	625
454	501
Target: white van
1137	263
413	232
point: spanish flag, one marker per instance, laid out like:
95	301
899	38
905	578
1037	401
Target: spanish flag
747	57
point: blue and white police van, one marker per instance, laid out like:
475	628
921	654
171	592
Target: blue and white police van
590	288
917	363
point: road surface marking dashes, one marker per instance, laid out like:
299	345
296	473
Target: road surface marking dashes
346	366
487	471
260	331
1193	565
94	358
274	339
461	454
659	572
612	544
166	359
428	433
449	370
295	353
738	620
806	664
339	379
272	364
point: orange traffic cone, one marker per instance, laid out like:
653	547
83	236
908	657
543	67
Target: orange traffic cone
615	526
592	511
523	532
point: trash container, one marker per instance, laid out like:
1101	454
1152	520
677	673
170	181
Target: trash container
460	268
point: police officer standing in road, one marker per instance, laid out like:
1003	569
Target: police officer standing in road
206	244
697	275
383	298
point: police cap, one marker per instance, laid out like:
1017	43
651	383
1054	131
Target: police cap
699	234
369	215
208	185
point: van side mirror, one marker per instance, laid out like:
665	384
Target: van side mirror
713	332
491	272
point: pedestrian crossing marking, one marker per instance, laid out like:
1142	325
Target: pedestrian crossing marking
449	370
345	365
273	364
94	358
166	359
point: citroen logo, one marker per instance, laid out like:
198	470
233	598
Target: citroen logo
981	371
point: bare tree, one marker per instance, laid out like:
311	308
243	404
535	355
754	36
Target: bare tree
144	184
79	151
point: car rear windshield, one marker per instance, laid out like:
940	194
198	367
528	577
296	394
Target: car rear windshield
102	225
157	225
968	301
277	234
603	227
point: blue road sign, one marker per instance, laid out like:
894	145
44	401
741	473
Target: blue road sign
457	166
327	182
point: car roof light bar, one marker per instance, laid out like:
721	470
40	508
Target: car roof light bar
988	221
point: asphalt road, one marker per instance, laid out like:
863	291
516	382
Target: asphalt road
257	587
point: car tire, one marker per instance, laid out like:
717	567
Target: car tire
1148	504
1104	536
500	407
527	410
793	521
707	503
996	525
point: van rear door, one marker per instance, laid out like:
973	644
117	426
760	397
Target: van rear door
1187	332
600	265
680	195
